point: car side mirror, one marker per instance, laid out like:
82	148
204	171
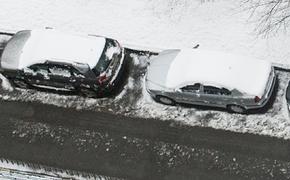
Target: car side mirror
178	90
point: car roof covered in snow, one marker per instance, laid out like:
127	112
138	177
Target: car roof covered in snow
29	47
177	68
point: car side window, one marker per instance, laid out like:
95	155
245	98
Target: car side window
191	88
76	73
59	70
216	91
225	91
39	69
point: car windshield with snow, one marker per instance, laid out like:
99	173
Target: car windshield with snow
55	60
210	78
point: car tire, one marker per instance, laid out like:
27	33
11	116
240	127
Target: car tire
88	93
236	109
165	100
20	83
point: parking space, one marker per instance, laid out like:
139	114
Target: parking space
131	99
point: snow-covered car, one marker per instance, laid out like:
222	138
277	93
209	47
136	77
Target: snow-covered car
210	78
46	58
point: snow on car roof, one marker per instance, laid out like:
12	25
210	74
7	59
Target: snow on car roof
37	46
188	66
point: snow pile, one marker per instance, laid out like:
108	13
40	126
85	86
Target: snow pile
5	83
15	170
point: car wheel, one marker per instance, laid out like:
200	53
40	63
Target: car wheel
236	109
165	100
20	83
88	93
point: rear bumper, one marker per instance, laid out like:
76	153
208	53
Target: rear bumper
268	96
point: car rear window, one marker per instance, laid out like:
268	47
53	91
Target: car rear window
104	61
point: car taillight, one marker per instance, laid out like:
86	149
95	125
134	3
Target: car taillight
118	44
102	78
257	99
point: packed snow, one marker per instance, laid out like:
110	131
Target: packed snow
5	83
20	171
220	25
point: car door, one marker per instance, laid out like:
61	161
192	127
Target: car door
215	96
37	74
84	77
61	77
190	94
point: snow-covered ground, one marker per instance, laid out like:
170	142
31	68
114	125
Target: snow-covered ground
216	24
158	24
20	171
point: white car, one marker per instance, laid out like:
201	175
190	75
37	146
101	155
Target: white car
210	78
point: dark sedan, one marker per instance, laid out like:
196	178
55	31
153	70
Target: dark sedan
55	60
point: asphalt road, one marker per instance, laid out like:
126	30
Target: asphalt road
167	131
134	148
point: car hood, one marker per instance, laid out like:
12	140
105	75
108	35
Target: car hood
158	69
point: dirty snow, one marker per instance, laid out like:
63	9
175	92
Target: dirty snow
5	83
14	170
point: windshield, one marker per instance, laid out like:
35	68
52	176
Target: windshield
111	47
